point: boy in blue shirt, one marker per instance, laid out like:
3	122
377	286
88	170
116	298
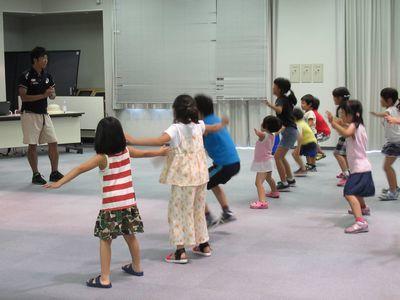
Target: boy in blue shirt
226	161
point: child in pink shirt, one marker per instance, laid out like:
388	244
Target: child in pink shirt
360	183
264	160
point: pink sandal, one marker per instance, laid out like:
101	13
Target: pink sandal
259	205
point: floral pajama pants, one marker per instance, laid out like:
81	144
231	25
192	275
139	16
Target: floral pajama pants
186	217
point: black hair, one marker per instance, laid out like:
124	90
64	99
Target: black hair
37	53
390	93
315	103
204	104
185	110
298	114
110	138
284	85
308	98
355	109
272	124
341	92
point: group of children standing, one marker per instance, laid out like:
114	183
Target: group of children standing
307	127
196	132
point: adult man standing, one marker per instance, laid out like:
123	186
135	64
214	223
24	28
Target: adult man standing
34	87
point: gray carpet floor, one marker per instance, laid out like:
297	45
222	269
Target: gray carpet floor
294	250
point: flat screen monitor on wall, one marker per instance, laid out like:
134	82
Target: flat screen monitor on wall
63	66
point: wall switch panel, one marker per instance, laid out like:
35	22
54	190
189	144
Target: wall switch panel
318	72
306	73
295	73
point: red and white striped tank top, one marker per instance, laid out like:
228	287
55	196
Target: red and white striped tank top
117	183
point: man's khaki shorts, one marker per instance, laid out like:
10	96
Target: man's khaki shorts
37	129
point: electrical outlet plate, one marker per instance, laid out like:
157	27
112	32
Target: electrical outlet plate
306	73
318	73
295	73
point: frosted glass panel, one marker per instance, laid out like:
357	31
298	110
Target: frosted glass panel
164	48
241	49
167	47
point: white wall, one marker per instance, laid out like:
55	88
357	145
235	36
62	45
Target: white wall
12	6
306	33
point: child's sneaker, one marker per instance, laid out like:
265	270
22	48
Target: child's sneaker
342	182
211	221
227	216
357	227
320	156
384	191
366	211
300	173
389	196
311	168
259	205
291	182
282	187
272	194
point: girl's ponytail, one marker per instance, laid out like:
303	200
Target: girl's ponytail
292	97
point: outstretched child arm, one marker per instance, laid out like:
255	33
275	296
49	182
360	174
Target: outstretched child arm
261	135
157	141
216	127
136	153
379	114
96	161
343	131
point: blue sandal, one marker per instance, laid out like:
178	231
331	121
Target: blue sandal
129	269
95	282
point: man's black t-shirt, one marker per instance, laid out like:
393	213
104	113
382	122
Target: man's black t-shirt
35	84
286	116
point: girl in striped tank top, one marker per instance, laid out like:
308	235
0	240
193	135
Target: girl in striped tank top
119	214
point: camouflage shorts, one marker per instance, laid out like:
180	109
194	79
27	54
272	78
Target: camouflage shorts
110	224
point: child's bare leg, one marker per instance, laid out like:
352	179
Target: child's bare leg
105	260
279	156
298	160
319	150
361	201
342	162
271	182
134	249
355	205
288	170
260	178
390	173
311	160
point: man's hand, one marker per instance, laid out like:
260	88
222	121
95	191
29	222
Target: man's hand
50	91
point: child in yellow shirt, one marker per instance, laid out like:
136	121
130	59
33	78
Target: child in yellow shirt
306	145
